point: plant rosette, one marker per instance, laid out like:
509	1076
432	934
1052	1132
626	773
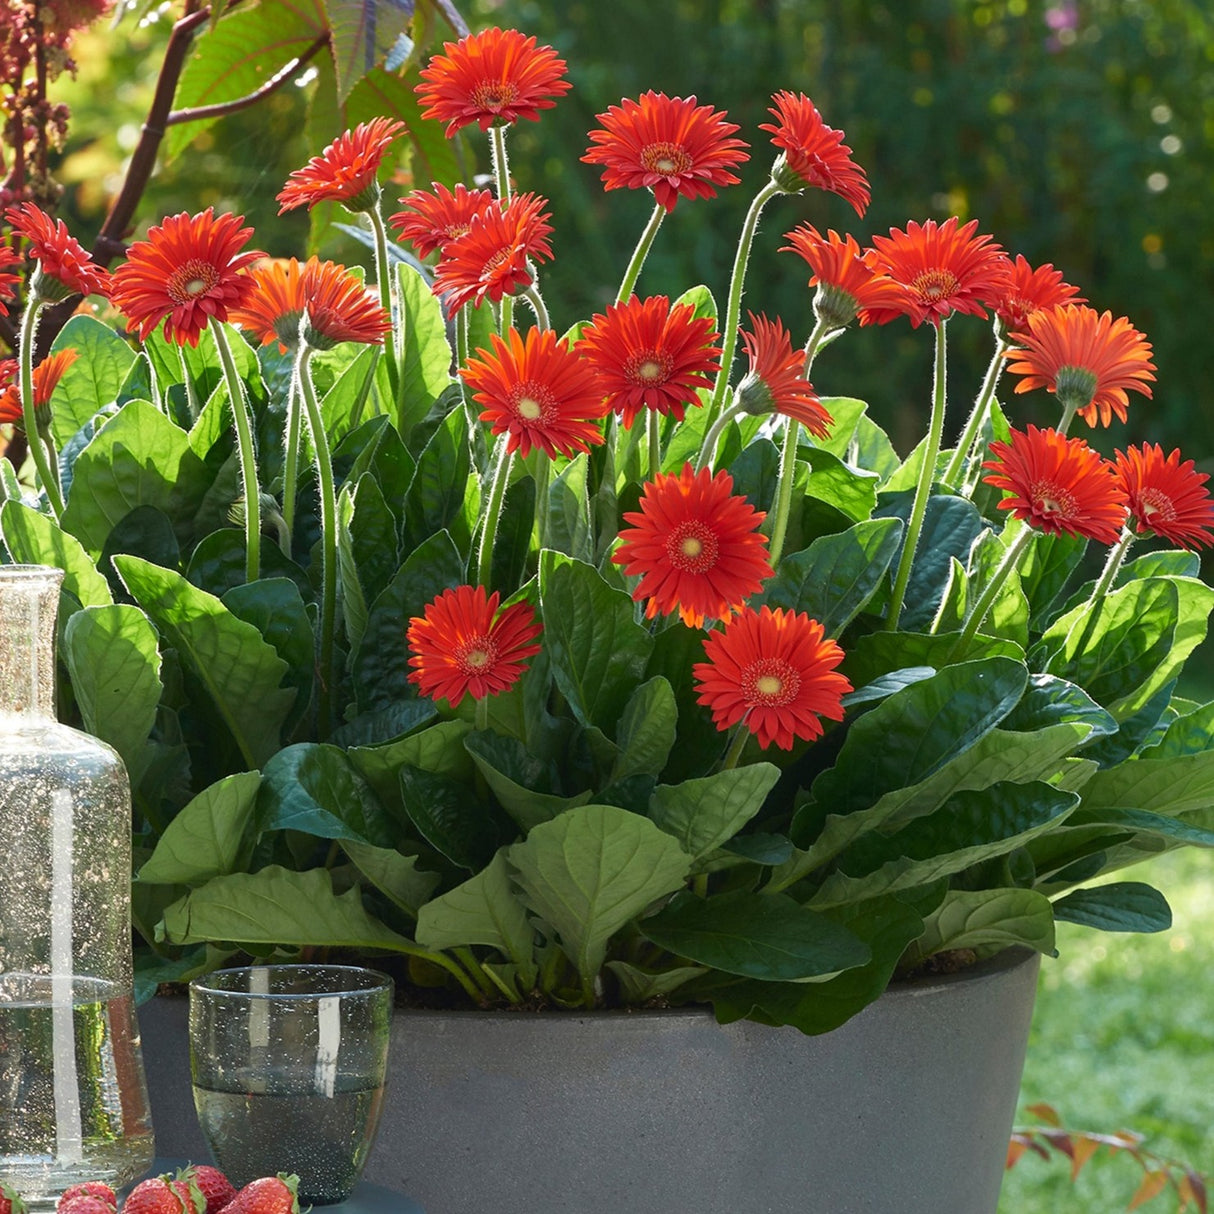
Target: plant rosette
585	670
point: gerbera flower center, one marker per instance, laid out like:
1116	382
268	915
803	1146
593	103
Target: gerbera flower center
770	683
494	95
476	655
1153	502
191	280
533	402
935	285
1052	499
651	367
666	158
692	547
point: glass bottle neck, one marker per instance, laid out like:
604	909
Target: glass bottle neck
29	603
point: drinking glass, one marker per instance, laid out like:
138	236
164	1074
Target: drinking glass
288	1066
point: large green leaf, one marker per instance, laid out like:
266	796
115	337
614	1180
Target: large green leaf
207	837
276	906
93	381
1123	906
646	731
598	651
366	551
241	672
590	871
836	575
440	484
988	919
448	815
114	663
438	749
705	814
1183	784
766	936
137	458
393	874
567	525
34	539
425	372
363	33
513	773
875	654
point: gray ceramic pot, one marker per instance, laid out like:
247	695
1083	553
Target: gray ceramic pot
906	1109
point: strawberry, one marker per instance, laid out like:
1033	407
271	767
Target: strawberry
84	1203
10	1201
164	1195
269	1195
90	1188
216	1189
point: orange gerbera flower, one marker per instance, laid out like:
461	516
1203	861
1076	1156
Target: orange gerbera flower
47	375
695	545
1059	485
187	273
60	256
539	392
946	268
814	153
668	144
430	220
848	286
345	171
775	672
337	304
1166	497
649	355
1087	359
496	76
491	258
1030	290
775	383
463	645
8	279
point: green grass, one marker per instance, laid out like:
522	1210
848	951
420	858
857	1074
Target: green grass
1123	1038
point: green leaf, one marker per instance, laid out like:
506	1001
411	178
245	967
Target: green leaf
34	539
590	871
449	817
483	910
641	986
1180	785
393	874
567	527
1188	734
766	936
276	906
598	651
513	774
1050	701
138	458
705	814
94	380
366	551
207	837
836	575
114	663
241	672
853	491
313	788
878	653
363	32
646	731
1123	906
440	483
426	361
989	919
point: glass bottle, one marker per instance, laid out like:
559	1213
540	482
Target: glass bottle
73	1100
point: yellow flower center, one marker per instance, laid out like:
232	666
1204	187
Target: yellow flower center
666	158
476	655
494	95
934	285
649	368
189	281
1051	499
692	547
532	410
770	683
1154	501
532	403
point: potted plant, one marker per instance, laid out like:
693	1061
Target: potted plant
576	669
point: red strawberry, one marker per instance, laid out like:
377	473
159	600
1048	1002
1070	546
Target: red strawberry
216	1189
10	1201
90	1188
84	1203
269	1195
163	1195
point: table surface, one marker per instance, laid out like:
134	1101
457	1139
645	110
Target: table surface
367	1198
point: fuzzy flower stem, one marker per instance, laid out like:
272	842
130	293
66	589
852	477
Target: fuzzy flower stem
383	274
543	469
788	459
969	436
501	177
1112	566
493	512
737	744
733	305
986	600
708	448
926	475
1069	409
653	428
328	537
41	445
290	466
536	300
637	261
246	453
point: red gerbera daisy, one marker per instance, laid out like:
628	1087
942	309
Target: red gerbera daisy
695	545
539	392
345	171
8	279
1086	358
1167	497
47	375
946	268
463	645
496	76
668	144
1030	290
775	383
814	153
337	304
1059	485
775	672
491	258
848	286
187	273
60	255
433	219
651	356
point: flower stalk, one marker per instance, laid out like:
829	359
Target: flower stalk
637	261
41	444
964	454
493	514
246	453
986	600
1095	603
387	296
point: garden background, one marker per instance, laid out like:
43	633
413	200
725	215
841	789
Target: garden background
1078	132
